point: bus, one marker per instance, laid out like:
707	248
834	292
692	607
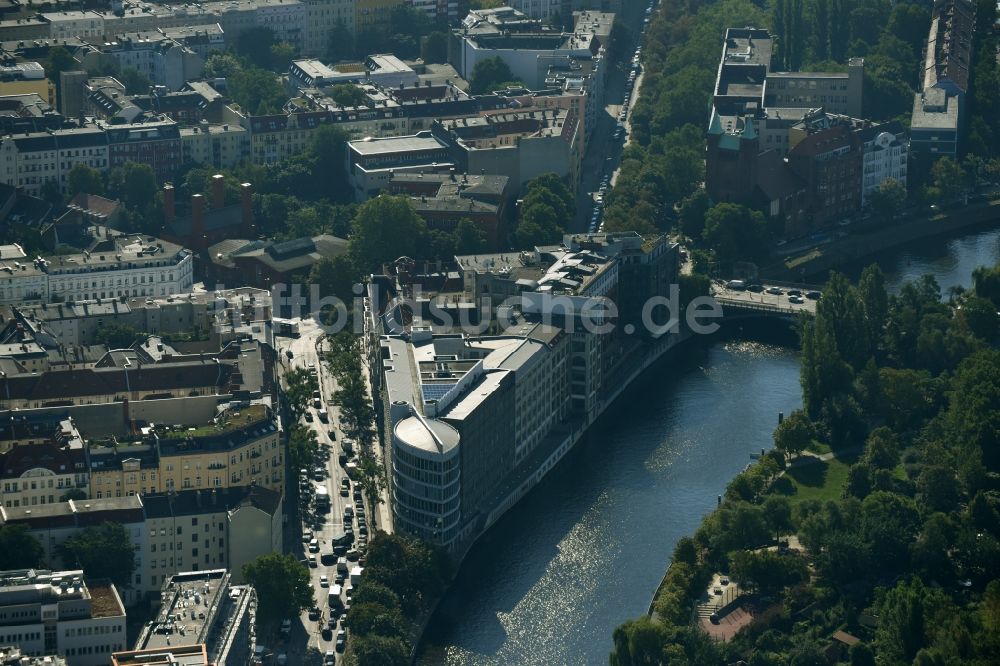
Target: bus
322	498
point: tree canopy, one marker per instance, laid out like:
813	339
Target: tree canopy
103	551
282	584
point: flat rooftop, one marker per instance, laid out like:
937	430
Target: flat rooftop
189	605
397	144
934	109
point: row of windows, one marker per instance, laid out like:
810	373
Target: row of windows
94	649
98	630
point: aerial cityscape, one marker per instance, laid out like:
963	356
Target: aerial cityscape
499	332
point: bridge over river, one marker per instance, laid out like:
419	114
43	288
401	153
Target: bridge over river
772	301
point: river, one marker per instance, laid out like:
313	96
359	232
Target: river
586	549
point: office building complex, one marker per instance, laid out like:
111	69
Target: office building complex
203	610
57	612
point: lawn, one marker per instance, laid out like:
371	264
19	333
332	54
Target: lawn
818	480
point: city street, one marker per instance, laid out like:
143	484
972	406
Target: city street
603	151
306	355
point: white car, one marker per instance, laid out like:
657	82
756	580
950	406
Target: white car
324	581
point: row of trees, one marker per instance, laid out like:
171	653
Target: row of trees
914	537
357	417
403	578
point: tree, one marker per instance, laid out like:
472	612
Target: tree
767	571
887	200
979	316
639	641
948	178
135	82
282	54
736	233
117	335
692	214
340	43
861	655
434	47
539	225
889	524
18	549
938	488
327	149
469	238
488	74
778	515
59	60
257	90
347	95
84	179
385	229
882	449
381	650
904	612
222	65
794	433
282	584
255	45
103	551
134	184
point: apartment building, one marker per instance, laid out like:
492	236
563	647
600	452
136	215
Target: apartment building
172	532
444	11
42	473
520	41
444	199
517	144
202	610
240	448
215	145
57	612
210	529
163	60
939	107
30	160
371	14
126	266
76	324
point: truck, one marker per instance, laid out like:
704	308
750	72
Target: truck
323	416
333	598
356	575
322	496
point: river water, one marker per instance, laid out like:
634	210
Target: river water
585	551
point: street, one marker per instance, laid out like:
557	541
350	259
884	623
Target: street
306	352
603	151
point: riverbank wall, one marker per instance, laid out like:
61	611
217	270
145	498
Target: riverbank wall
850	249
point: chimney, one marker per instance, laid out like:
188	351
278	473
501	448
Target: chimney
198	240
246	203
218	191
169	205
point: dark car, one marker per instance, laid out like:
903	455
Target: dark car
756	288
813	295
327	634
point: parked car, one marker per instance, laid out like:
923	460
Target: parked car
324	581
